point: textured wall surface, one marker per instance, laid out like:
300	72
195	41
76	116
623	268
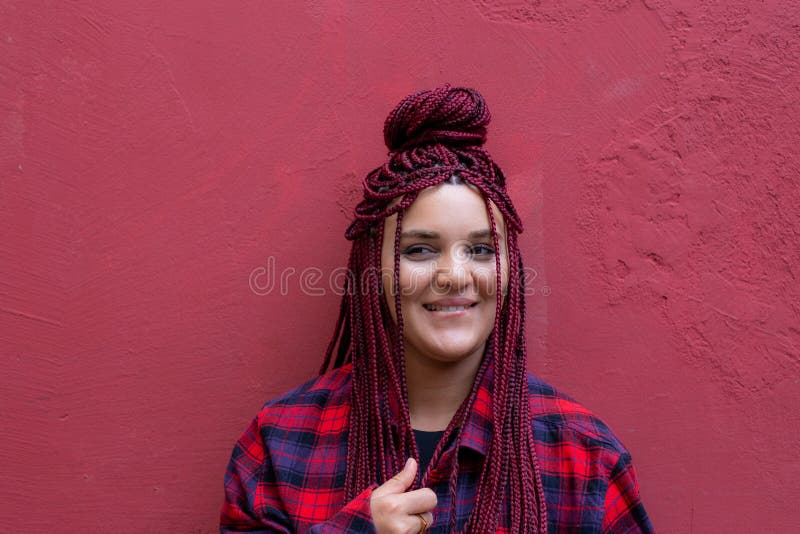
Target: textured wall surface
155	155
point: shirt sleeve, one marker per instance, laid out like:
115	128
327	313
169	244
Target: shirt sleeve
252	502
354	517
624	511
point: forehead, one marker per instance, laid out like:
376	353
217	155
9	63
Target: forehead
449	209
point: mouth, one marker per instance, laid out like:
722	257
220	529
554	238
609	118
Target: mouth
448	309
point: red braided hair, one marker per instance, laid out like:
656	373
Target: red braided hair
433	136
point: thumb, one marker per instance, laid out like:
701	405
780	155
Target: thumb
402	480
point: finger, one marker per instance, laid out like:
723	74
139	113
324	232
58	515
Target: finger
418	501
401	481
415	524
428	517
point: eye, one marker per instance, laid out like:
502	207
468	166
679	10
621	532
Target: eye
418	252
481	251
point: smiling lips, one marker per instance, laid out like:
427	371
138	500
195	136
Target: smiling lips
452	305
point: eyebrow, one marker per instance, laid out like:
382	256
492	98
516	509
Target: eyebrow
427	234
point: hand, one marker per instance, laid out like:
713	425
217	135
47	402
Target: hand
394	511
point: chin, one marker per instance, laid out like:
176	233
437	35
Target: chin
452	354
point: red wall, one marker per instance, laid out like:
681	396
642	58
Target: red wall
154	155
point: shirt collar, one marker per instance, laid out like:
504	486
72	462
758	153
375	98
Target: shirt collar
477	431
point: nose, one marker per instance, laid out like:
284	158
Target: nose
452	270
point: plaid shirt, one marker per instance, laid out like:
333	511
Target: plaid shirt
287	471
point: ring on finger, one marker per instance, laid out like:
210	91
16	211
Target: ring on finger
423	526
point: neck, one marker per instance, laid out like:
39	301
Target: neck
436	389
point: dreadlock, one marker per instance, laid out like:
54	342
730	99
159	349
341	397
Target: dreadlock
432	136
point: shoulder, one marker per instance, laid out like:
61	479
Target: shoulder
587	473
558	416
323	398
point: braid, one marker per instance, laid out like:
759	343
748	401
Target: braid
433	136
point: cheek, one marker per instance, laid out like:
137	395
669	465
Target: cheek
387	280
485	278
387	272
414	280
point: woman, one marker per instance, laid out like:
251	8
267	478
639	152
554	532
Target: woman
427	418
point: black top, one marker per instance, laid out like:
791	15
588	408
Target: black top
426	443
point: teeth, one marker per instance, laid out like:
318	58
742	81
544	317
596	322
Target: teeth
431	307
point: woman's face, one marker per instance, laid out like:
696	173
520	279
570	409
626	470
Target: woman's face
447	276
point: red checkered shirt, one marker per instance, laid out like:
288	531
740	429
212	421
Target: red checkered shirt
287	471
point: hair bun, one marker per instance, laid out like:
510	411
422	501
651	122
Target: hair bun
447	115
